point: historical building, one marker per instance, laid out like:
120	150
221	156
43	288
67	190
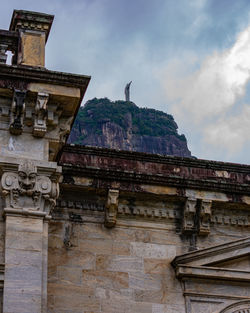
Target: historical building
91	230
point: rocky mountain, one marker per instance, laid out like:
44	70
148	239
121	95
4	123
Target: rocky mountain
122	125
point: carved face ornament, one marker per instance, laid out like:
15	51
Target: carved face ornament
26	180
27	176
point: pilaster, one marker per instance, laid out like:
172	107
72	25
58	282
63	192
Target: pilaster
30	191
37	109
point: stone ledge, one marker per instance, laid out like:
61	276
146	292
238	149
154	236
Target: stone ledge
30	74
217	273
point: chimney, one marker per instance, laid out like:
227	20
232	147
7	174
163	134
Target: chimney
34	29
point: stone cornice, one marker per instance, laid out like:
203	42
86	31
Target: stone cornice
22	19
156	158
215	254
27	74
137	178
205	272
142	168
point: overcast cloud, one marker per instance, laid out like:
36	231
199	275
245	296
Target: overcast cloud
189	58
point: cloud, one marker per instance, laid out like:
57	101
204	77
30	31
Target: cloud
206	99
229	135
153	41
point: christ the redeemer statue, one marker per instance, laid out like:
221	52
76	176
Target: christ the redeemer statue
127	92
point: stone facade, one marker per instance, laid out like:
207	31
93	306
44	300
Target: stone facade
93	230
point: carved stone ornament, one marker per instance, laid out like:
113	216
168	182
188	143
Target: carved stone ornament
3	55
238	307
204	218
17	112
28	191
189	214
111	208
65	127
40	120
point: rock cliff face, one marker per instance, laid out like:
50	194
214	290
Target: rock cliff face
122	125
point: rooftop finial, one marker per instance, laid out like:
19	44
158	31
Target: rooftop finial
127	92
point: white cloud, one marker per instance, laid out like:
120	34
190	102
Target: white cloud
229	134
206	99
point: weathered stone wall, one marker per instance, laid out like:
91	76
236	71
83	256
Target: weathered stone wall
127	268
165	214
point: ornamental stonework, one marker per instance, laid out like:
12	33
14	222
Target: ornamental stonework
27	190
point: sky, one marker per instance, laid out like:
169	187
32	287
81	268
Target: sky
188	58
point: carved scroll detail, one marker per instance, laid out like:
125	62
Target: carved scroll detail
111	208
28	191
189	215
205	215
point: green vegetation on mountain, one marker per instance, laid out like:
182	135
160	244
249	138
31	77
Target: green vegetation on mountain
144	122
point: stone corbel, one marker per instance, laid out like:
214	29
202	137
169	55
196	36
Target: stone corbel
53	115
40	119
17	112
188	225
204	218
3	55
111	208
26	192
65	127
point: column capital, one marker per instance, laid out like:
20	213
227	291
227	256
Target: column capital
28	193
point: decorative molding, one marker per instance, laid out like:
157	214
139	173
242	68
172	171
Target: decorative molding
235	218
27	20
80	205
189	214
183	173
205	266
25	190
214	255
111	208
27	75
205	272
238	307
146	212
198	294
157	158
17	112
227	217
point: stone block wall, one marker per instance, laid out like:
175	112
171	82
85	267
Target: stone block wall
125	269
119	270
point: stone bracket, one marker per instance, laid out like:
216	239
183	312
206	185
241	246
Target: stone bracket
40	119
3	55
17	112
204	217
196	216
188	225
111	208
39	115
